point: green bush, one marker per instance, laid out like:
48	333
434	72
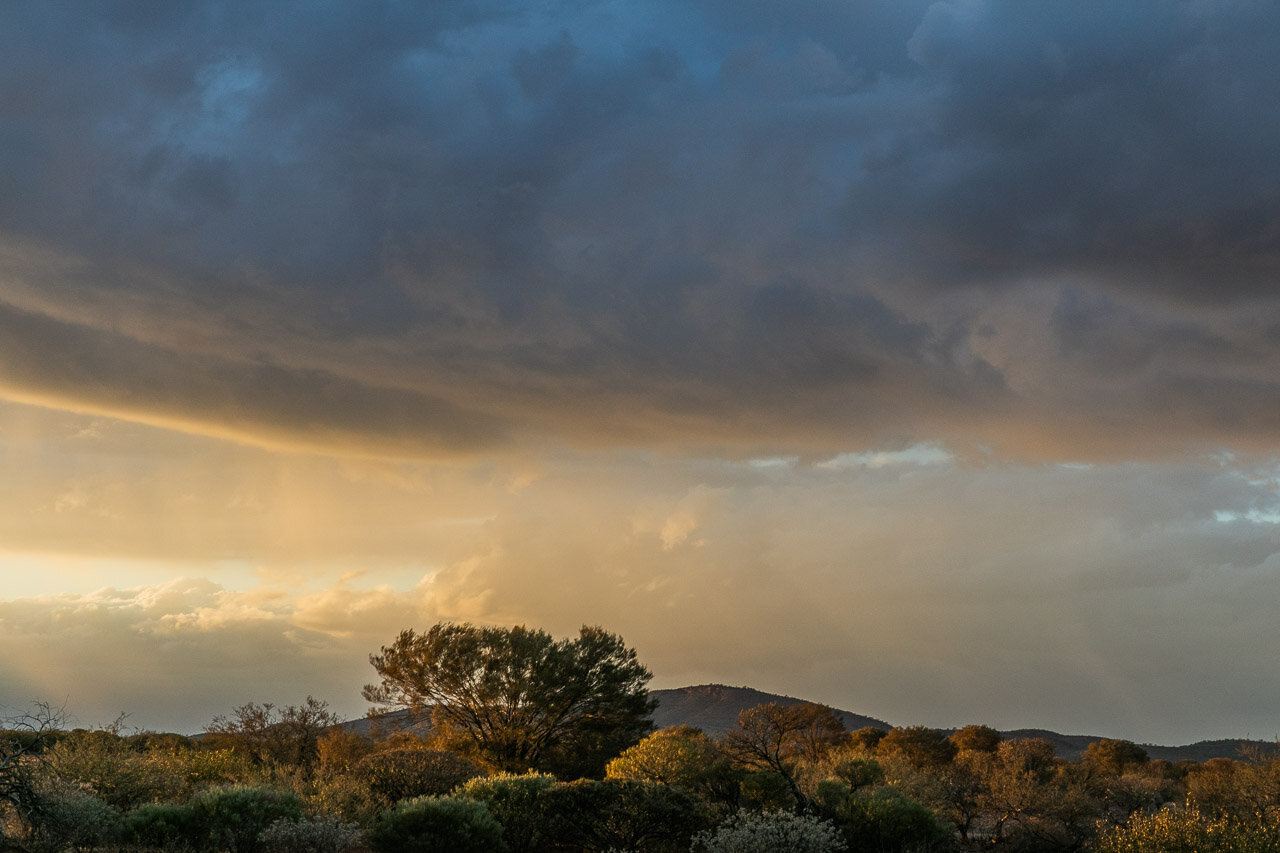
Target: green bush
72	818
163	826
235	816
516	802
765	790
407	772
219	819
310	835
883	819
770	832
437	825
625	814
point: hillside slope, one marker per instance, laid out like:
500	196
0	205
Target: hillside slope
714	708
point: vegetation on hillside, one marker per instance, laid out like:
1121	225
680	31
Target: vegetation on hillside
545	748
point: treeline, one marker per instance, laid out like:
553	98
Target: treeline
493	773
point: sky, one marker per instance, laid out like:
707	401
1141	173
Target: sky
918	358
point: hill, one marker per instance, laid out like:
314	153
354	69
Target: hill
714	708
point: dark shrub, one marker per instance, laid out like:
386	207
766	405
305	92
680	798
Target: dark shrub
233	818
621	814
163	826
882	820
437	825
408	772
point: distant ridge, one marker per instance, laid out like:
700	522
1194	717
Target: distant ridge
1072	747
714	708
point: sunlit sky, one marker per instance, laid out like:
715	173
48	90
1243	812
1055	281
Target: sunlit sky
918	358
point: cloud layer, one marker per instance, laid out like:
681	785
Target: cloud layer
420	232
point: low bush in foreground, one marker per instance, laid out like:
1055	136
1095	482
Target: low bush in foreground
437	825
769	832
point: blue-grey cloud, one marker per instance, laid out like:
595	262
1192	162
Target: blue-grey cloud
711	223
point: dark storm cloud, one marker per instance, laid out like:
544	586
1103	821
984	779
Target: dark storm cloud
53	363
1043	227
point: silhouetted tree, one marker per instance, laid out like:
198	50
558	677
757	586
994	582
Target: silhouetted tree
281	736
519	698
777	738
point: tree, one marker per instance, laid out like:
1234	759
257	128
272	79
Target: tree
285	736
867	738
920	745
22	739
683	756
1113	757
777	738
976	738
519	698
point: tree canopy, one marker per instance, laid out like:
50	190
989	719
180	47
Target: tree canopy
519	698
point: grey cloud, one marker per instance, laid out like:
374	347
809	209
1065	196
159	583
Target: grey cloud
59	362
541	212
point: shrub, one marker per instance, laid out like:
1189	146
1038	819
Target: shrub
768	832
766	790
882	820
516	803
347	797
437	825
310	835
233	818
106	764
72	818
1187	831
163	826
407	772
595	815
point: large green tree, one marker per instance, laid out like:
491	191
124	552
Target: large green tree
517	696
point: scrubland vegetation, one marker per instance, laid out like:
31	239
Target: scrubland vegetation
540	745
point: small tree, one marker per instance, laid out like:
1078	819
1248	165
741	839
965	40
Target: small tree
22	740
282	737
776	738
976	738
683	756
921	746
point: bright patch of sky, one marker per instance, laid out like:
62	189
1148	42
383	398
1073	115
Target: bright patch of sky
1254	516
918	455
32	575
